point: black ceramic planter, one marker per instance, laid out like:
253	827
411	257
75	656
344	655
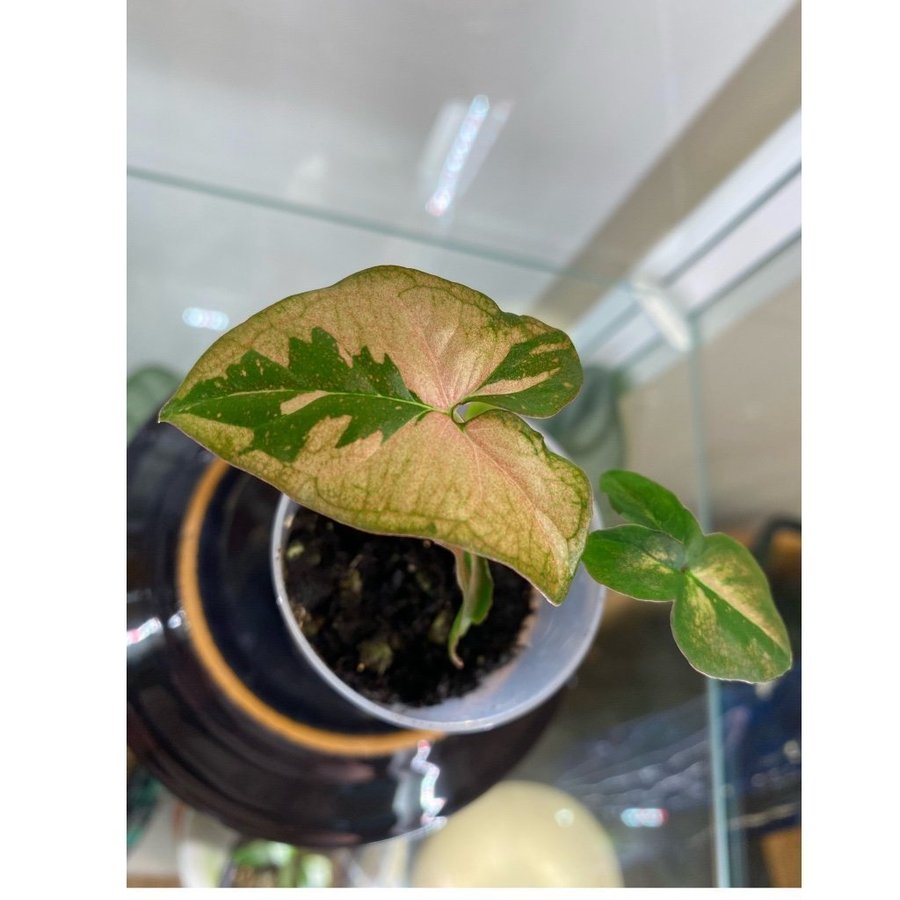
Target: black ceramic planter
221	707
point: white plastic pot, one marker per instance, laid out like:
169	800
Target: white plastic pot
555	640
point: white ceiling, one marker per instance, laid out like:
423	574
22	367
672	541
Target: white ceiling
332	106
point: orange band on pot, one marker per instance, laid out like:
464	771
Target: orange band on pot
224	676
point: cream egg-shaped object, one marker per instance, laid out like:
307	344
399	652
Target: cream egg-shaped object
519	834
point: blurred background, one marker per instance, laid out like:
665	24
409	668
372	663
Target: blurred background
628	170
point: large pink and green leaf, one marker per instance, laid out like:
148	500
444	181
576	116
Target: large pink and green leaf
348	399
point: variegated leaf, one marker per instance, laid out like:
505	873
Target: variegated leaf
348	399
724	618
636	561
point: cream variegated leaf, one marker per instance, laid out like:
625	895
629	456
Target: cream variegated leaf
724	618
348	399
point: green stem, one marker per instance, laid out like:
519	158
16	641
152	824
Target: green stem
465	412
477	586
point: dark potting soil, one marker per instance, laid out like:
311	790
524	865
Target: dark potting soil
378	611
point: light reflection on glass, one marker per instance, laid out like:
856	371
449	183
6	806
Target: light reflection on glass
213	319
564	817
646	817
143	631
430	804
448	182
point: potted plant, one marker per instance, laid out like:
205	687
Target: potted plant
392	403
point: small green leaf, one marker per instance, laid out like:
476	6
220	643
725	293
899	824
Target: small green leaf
725	620
647	503
635	561
346	399
477	585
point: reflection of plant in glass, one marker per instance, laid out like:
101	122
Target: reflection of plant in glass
260	863
392	401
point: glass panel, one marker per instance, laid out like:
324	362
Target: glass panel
751	396
201	261
533	124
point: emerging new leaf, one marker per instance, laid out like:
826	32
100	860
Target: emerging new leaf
349	400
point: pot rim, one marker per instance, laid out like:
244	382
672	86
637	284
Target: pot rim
404	716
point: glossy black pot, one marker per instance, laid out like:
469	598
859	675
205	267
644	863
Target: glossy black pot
221	707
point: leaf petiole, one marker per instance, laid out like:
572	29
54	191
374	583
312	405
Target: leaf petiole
477	586
465	412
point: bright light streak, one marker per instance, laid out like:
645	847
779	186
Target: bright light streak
213	319
456	158
647	817
430	804
143	631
